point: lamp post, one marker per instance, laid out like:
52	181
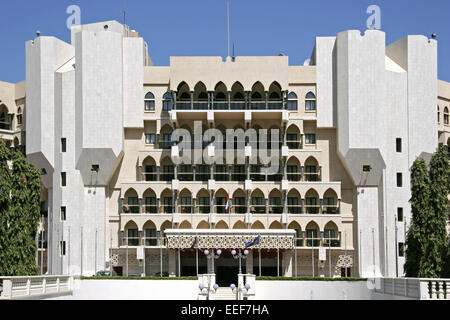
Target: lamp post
240	256
208	290
240	290
213	256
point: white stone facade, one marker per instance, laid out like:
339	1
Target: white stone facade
340	120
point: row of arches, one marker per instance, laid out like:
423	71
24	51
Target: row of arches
312	235
230	98
309	170
258	203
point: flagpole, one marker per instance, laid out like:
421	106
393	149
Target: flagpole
196	254
259	255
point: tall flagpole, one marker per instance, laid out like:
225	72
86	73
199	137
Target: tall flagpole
95	257
259	255
42	245
110	255
228	28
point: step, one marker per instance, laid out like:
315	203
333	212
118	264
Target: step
224	294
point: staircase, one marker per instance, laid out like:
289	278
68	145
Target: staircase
223	293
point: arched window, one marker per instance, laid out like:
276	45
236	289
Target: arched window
149	102
167	102
446	115
292	101
19	116
310	102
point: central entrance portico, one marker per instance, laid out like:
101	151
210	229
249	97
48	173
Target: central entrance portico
190	245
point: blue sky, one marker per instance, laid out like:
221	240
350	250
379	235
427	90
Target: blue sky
198	27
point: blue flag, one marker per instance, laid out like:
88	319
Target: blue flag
255	242
195	243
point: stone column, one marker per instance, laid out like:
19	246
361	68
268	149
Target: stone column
193	205
287	263
158	205
140	205
249	263
267	100
192	100
139	177
158	173
267	206
303	206
172	263
229	99
174	100
121	205
121	237
175	201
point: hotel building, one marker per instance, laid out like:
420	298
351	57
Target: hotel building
97	117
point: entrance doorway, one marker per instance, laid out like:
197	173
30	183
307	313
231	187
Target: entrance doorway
227	275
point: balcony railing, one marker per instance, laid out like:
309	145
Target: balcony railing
5	126
293	144
237	105
200	105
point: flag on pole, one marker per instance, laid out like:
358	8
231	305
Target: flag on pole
255	242
228	204
195	243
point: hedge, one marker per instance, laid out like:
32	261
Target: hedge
267	278
138	278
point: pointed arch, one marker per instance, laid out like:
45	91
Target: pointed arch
203	225
276	225
239	225
258	225
221	225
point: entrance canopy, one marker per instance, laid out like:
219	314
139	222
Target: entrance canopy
229	238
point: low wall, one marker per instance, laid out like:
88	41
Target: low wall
311	290
188	290
132	290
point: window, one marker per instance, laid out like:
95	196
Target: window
310	138
292	101
204	205
133	238
399	179
312	238
167	102
311	206
398	144
149	102
63	144
63	179
133	203
62	247
150	237
401	249
19	116
63	213
446	116
400	214
150	205
150	138
293	205
310	102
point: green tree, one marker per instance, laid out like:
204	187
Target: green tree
25	199
421	210
19	214
437	248
5	202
